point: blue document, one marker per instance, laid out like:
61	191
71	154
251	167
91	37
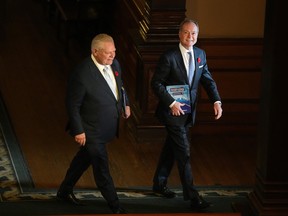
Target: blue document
124	100
181	93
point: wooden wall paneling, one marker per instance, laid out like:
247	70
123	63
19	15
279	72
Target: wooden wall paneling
237	84
236	66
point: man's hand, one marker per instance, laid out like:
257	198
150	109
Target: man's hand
217	110
81	139
127	112
176	109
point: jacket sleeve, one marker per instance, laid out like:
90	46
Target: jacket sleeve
160	80
74	97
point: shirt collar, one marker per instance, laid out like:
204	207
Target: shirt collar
184	50
99	66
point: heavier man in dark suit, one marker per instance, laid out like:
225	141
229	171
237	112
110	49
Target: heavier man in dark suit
94	106
173	69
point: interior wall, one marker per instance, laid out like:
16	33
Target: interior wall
228	19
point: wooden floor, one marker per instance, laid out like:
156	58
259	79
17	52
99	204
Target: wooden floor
33	73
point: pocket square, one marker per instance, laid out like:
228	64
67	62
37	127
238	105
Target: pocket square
200	66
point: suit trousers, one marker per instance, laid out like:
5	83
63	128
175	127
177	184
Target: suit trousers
176	148
94	154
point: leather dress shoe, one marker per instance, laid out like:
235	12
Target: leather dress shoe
118	210
199	203
69	198
164	192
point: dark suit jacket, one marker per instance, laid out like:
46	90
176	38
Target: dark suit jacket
91	105
171	71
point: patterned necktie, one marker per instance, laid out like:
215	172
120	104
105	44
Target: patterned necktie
110	82
191	68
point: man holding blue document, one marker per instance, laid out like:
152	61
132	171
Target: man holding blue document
180	70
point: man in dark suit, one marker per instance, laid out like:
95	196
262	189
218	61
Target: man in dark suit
174	68
94	104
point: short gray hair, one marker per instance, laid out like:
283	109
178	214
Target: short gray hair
98	39
188	20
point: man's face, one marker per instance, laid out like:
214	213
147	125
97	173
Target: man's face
188	35
105	55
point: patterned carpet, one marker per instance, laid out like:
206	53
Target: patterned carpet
16	185
9	187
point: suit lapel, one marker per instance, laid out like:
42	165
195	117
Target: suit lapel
196	57
180	62
99	79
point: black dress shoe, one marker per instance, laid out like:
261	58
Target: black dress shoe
199	203
164	192
69	198
118	210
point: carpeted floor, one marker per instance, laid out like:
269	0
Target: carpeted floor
19	197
